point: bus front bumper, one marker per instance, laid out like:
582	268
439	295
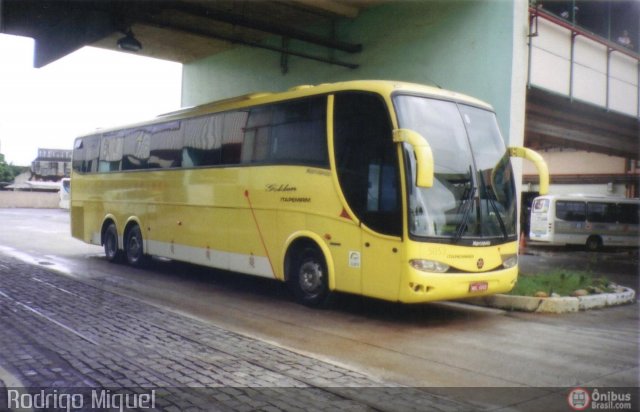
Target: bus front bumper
419	287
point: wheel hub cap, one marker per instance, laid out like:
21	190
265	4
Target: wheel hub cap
310	277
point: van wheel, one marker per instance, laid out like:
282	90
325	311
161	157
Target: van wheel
309	277
133	247
594	243
110	243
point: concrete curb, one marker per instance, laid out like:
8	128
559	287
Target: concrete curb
556	305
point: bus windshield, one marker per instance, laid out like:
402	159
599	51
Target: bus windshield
472	199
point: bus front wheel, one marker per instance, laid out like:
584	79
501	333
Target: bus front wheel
133	247
309	277
594	243
110	243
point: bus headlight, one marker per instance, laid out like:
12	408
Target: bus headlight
509	261
426	265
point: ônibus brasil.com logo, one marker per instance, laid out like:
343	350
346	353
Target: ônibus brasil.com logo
580	399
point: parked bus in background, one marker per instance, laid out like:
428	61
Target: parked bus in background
65	193
391	190
593	221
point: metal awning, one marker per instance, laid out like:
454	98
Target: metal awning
555	121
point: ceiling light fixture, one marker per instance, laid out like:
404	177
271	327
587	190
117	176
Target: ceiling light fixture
129	42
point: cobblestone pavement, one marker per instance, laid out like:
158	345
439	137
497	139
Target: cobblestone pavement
60	334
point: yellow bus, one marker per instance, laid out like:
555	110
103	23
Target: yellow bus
391	190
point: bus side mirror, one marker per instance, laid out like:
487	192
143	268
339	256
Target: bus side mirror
538	161
424	156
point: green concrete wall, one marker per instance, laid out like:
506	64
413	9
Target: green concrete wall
465	46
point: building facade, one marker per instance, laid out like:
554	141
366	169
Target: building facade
473	47
561	83
583	98
51	164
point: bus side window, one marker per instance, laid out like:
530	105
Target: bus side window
601	212
86	153
135	150
298	133
111	152
257	135
571	211
287	133
233	136
203	141
628	213
165	150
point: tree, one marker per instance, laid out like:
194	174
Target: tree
6	171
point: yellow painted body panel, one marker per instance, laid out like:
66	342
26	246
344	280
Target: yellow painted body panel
243	218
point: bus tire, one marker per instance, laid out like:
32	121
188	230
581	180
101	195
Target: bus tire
110	243
309	278
594	243
133	247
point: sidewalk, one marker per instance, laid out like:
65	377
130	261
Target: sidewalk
63	335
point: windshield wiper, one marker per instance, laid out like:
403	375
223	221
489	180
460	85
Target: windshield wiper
468	206
503	228
492	202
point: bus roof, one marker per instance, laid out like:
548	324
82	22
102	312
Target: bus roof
382	87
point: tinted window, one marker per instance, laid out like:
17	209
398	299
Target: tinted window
257	135
601	212
111	148
156	146
540	206
572	211
136	150
366	160
287	133
628	213
86	153
232	137
203	140
166	145
299	133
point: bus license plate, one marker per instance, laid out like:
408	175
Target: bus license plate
478	287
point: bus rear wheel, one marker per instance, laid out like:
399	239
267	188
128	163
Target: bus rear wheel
594	243
309	277
133	247
110	243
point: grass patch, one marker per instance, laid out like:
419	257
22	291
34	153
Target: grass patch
561	281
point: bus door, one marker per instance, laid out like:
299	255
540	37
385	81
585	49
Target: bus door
381	236
367	165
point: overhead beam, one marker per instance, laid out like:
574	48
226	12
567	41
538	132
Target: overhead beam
60	27
555	121
331	6
262	25
70	34
178	26
597	141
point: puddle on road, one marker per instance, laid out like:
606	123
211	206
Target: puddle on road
54	263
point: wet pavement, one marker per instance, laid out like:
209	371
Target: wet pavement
211	340
67	335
